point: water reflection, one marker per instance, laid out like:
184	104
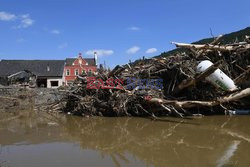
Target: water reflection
174	142
134	141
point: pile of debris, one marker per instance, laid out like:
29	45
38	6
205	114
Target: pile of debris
205	79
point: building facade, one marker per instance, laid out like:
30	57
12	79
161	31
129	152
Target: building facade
77	66
48	73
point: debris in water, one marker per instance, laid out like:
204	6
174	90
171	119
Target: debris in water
228	154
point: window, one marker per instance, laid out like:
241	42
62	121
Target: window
89	72
54	83
67	72
83	72
76	72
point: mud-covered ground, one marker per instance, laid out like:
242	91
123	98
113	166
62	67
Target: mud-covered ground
14	98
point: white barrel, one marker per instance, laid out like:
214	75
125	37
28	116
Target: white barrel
218	78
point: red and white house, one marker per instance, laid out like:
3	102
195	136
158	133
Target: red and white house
76	66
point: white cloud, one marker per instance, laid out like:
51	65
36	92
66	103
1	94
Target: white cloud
133	50
26	21
56	32
4	16
63	45
134	28
151	50
100	52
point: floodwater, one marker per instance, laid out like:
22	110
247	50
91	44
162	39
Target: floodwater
29	139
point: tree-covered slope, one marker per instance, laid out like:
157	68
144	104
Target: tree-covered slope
228	38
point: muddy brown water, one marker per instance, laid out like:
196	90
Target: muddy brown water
29	139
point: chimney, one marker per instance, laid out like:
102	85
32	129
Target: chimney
95	55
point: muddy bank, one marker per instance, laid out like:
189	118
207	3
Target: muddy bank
15	98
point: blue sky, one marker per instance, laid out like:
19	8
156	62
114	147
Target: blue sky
120	30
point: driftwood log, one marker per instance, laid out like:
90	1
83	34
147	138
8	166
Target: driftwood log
211	46
190	104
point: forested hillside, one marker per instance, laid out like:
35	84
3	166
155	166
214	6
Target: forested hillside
228	38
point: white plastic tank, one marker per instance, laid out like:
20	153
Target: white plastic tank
219	79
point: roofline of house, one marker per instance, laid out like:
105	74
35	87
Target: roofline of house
48	76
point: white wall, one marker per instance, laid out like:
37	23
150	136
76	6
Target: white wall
60	82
